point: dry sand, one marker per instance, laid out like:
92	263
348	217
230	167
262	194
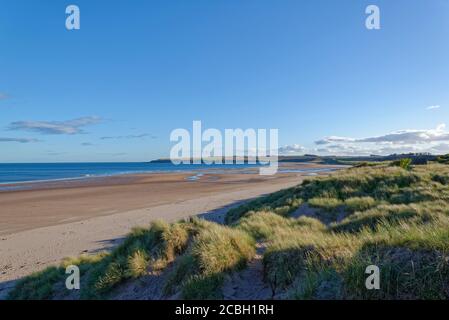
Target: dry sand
39	227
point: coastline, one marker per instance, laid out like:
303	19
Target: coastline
42	226
18	175
194	173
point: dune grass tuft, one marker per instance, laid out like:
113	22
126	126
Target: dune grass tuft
214	251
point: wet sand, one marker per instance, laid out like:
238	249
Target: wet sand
75	201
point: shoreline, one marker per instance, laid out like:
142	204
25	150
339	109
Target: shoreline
42	226
90	176
10	186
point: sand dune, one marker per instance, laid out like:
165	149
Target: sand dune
41	226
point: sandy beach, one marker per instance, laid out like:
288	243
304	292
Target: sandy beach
41	226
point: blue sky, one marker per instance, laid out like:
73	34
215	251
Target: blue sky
116	88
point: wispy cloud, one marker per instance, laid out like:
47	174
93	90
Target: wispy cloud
87	144
433	107
401	141
73	126
131	136
396	137
20	140
291	149
331	139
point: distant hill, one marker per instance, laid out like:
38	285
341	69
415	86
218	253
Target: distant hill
417	158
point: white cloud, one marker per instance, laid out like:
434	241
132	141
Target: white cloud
396	137
291	149
73	126
330	139
441	148
401	141
433	107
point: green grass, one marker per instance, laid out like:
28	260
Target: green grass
403	163
394	216
42	285
37	286
201	254
282	202
359	203
214	251
441	178
444	159
143	250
